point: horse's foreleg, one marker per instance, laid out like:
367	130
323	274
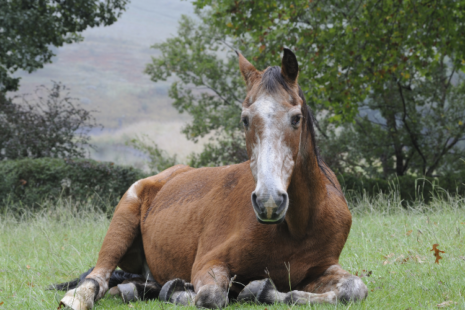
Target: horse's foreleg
335	285
124	228
211	284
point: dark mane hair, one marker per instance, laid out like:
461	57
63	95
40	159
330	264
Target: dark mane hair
272	79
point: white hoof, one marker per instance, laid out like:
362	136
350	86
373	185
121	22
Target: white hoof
82	297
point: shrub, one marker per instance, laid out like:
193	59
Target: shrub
28	182
50	126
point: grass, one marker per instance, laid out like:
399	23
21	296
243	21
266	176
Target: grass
391	243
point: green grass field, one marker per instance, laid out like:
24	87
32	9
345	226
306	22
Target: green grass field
386	241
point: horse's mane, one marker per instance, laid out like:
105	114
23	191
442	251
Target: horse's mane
272	80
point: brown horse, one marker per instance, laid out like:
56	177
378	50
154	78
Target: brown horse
277	222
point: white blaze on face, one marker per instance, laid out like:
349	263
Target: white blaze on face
271	161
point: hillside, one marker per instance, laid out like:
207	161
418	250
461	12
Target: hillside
105	72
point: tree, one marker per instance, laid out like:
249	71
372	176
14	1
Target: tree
52	126
208	88
159	159
417	127
386	68
30	28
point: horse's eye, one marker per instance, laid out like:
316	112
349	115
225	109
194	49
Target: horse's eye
295	120
245	120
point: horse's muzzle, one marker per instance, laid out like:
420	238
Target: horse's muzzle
270	209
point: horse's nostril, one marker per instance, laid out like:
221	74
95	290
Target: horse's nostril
254	199
282	201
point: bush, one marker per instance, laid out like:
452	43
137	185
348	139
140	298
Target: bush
52	125
409	187
28	182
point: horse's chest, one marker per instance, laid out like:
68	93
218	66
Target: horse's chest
279	260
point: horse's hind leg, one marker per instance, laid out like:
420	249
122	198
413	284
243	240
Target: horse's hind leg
123	230
335	285
122	234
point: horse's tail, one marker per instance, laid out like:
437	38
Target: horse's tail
117	277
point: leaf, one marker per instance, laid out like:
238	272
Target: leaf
262	48
409	232
446	304
389	255
1	303
436	252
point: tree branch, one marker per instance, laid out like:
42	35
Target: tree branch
412	136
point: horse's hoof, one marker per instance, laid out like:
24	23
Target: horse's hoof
170	288
261	291
128	292
178	292
114	291
211	297
82	297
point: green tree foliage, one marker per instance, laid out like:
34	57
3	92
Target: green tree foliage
159	159
29	29
416	128
208	85
49	126
226	150
384	77
346	49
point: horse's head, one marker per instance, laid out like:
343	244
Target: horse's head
272	114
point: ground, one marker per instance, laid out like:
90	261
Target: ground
388	246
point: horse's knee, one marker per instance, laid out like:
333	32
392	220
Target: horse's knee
351	289
212	297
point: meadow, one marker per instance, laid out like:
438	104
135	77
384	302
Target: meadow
389	246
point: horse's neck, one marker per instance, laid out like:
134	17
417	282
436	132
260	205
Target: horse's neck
307	193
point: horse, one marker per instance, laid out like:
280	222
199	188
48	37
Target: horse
276	223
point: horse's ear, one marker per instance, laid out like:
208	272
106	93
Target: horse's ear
289	66
249	73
